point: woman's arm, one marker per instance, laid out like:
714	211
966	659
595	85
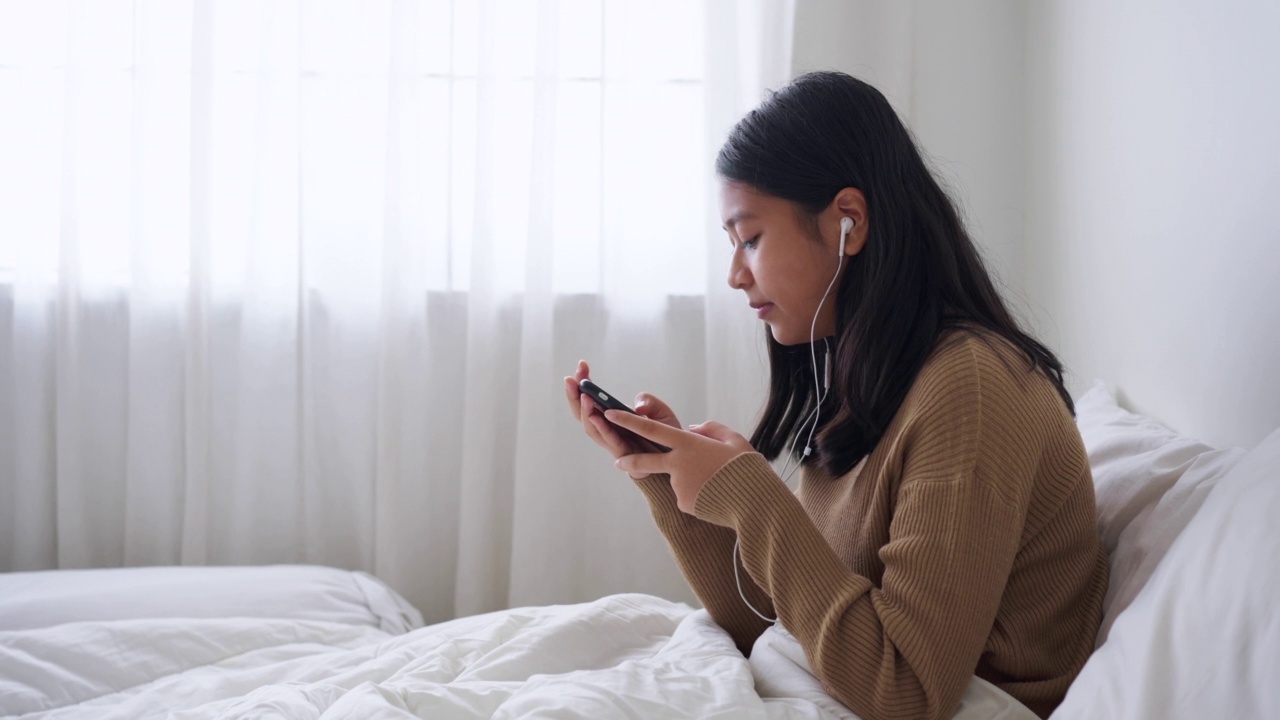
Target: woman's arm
908	647
964	462
704	554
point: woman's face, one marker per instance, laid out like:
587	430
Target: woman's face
780	264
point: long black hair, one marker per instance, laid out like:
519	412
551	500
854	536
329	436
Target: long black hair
918	275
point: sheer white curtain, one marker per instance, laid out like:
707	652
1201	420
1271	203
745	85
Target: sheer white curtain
297	281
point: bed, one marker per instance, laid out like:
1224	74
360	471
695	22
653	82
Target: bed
1191	627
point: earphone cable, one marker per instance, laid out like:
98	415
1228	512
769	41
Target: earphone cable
817	410
824	388
738	578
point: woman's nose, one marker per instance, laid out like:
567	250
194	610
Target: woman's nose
739	275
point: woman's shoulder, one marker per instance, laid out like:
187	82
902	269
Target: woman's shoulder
982	398
971	367
963	342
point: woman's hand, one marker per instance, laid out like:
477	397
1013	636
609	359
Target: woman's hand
696	454
600	431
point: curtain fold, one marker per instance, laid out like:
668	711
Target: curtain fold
297	281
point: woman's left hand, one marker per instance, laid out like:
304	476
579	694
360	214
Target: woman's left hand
696	454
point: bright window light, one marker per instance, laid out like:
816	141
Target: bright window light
333	139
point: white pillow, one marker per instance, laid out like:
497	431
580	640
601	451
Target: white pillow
1201	639
1149	482
31	600
1194	624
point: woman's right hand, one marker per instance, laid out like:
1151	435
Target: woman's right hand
601	431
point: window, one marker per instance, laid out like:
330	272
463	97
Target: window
335	139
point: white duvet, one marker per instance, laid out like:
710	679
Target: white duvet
624	656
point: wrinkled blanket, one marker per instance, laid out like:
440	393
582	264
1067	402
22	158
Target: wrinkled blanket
624	656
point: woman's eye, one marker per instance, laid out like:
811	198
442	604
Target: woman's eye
751	243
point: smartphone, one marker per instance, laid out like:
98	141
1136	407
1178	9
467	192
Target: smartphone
606	401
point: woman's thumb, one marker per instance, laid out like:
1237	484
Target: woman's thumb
647	404
651	407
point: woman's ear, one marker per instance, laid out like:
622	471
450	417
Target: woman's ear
851	203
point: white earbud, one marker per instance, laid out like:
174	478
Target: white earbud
846	224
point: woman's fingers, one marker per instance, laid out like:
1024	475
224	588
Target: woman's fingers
651	406
571	389
600	431
641	464
651	430
584	416
571	393
716	431
612	440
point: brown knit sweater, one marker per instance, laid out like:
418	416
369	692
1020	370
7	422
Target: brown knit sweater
965	543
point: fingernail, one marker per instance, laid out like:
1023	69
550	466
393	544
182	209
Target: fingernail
618	463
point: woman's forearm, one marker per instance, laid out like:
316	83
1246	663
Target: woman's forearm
704	553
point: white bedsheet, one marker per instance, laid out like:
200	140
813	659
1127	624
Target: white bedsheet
633	656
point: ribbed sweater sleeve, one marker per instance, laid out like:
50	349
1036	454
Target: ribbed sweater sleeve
907	648
704	553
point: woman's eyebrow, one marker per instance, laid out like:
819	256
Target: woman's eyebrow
735	219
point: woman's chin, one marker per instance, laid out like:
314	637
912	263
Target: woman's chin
782	337
793	338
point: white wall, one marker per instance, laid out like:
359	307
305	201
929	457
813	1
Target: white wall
1119	163
1153	241
953	71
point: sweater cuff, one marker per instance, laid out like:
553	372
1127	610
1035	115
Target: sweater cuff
656	487
742	483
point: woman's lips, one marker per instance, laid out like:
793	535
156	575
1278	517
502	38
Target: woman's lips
763	310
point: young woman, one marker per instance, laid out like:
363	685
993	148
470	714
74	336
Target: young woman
944	524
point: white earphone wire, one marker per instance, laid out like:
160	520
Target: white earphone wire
845	225
738	579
